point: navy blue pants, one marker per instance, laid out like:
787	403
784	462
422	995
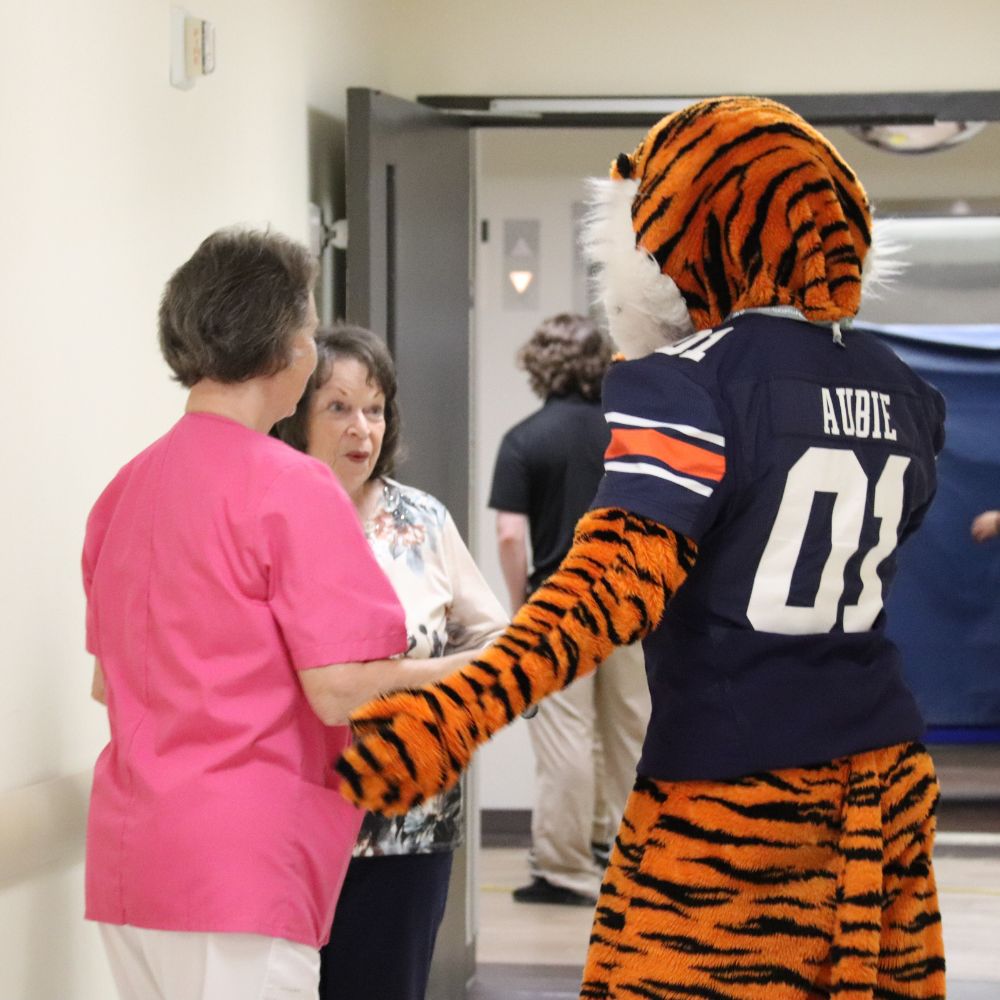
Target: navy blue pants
384	928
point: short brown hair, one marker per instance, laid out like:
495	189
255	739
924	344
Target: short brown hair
229	313
343	341
567	353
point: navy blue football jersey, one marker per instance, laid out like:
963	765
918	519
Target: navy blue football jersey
798	466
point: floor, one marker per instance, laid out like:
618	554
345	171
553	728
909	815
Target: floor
537	952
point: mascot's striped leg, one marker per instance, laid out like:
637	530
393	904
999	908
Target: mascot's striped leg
805	883
911	961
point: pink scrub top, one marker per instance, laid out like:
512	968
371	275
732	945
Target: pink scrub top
217	564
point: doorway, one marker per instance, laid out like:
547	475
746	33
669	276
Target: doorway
519	174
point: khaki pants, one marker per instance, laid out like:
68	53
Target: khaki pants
586	741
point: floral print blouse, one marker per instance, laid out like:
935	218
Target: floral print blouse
449	607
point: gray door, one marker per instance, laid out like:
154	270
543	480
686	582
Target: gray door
408	275
409	280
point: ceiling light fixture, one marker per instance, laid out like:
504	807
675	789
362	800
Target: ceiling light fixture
917	138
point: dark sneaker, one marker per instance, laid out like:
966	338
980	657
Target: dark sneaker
541	890
601	853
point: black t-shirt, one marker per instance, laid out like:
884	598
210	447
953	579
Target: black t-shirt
548	467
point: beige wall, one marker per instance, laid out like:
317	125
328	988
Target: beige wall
108	179
691	46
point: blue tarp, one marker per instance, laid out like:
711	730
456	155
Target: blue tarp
944	609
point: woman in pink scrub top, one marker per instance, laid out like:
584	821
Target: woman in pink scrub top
228	648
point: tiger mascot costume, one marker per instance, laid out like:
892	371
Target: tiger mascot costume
765	462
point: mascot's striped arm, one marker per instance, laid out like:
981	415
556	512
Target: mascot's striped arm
803	883
610	590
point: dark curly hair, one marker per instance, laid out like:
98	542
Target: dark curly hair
230	311
567	353
343	341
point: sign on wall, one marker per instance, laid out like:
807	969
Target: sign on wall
521	263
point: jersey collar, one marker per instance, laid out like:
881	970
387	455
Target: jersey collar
790	312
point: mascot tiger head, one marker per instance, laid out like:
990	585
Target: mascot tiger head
732	203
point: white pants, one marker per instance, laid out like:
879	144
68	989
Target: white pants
184	965
586	741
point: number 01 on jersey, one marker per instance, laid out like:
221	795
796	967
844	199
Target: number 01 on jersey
836	471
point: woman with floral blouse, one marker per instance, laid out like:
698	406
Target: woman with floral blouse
394	895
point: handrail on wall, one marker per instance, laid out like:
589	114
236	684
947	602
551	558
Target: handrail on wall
42	826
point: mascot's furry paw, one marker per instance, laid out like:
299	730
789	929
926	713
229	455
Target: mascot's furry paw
610	590
407	750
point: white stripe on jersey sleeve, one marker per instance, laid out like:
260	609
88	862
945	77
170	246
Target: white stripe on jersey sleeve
687	429
645	469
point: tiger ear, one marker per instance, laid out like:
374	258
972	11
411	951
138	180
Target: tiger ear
644	307
622	167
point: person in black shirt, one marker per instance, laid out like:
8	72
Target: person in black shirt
547	472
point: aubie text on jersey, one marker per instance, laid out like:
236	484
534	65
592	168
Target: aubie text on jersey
857	413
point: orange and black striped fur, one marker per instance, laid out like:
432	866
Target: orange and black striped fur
806	883
743	205
610	590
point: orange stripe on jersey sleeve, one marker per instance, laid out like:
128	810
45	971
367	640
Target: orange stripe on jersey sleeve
679	455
